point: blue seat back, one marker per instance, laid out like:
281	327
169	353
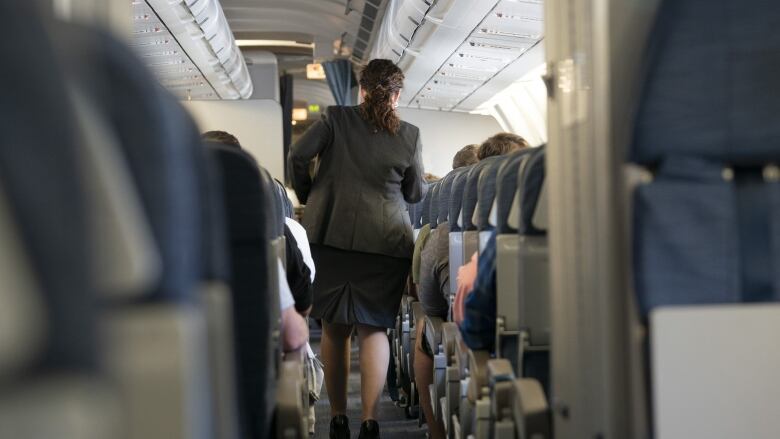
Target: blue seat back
506	189
706	227
433	207
445	195
159	142
248	194
456	197
530	184
486	190
710	88
471	194
425	214
40	179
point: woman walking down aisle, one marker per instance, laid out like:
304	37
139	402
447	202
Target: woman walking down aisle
361	237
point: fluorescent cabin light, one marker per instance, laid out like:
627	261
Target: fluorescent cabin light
274	43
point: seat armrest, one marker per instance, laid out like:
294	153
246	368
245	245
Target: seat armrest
530	409
499	370
291	421
461	356
449	340
478	371
433	332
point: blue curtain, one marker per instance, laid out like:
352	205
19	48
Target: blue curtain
340	79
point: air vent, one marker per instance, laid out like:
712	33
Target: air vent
371	13
180	39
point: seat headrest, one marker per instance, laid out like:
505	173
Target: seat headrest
425	215
276	207
216	264
158	140
471	193
41	181
532	198
710	87
445	195
248	196
486	191
506	188
456	196
433	207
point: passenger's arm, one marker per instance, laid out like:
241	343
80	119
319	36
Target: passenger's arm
298	274
295	330
313	141
413	185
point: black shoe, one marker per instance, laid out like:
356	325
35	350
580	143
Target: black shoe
369	430
339	427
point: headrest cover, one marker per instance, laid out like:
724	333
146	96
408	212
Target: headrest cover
456	197
506	188
433	214
444	195
425	216
486	190
530	184
248	196
471	194
711	83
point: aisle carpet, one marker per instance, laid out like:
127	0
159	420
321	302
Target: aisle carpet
392	421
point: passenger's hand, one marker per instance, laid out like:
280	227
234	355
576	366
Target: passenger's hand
467	275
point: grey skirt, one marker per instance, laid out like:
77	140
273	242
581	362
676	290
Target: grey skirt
354	287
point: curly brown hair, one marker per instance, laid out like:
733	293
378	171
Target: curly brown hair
500	144
380	79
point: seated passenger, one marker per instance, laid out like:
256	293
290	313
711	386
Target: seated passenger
419	244
478	318
294	328
475	308
300	265
467	156
433	291
222	137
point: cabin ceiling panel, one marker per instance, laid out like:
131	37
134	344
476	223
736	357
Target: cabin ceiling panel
461	51
318	21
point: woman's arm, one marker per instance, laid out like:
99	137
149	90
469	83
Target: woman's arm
413	185
313	141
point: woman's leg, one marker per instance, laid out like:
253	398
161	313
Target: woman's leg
335	351
423	376
374	359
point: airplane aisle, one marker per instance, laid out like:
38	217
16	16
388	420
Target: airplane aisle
392	421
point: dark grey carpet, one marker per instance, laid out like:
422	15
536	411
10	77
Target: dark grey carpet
392	421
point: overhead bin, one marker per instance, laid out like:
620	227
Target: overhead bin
189	45
456	54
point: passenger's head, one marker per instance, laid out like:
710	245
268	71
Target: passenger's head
430	178
381	82
222	137
465	157
500	144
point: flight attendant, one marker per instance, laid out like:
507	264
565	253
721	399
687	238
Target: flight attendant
370	166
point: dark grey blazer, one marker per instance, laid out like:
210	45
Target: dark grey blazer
357	200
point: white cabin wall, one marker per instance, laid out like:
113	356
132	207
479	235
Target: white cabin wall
444	133
256	123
